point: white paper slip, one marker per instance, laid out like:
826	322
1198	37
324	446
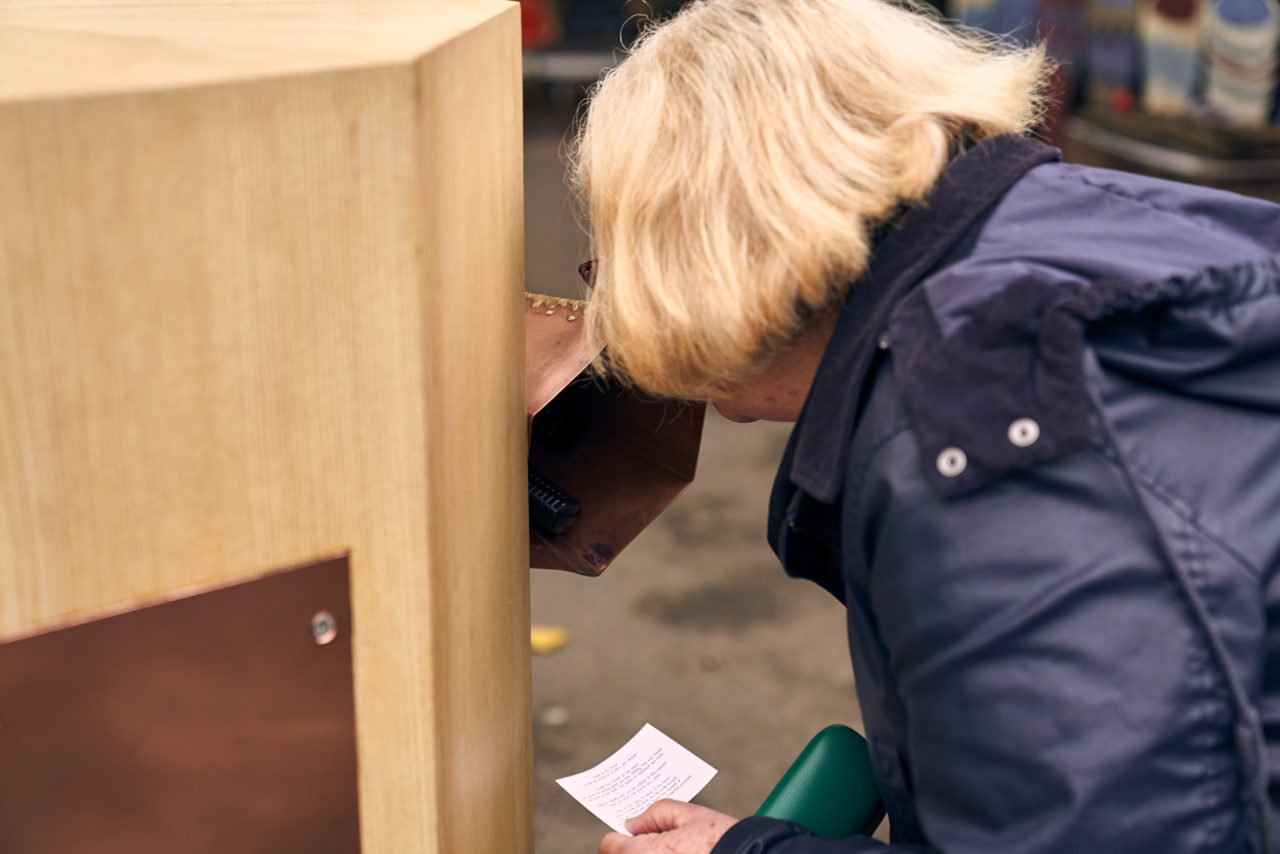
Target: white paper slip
646	769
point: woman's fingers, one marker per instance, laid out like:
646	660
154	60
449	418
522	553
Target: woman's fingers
613	844
661	816
669	827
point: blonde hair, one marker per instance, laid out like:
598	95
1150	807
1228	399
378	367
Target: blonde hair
735	163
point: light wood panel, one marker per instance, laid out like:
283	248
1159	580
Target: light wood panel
54	49
260	302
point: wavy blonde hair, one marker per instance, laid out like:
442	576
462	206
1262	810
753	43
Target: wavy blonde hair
734	164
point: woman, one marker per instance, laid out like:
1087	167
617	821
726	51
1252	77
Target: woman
1036	450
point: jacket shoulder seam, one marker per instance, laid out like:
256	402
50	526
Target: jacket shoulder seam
1118	192
1180	506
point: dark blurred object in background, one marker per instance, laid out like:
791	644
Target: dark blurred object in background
1183	89
587	25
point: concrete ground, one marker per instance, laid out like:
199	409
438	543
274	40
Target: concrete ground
694	628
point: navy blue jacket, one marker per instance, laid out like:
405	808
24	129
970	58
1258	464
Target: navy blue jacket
1040	465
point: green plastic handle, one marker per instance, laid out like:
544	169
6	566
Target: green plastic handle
830	788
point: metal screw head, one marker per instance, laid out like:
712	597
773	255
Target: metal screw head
952	462
1024	432
324	628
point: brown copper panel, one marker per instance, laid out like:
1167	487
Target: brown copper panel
555	348
632	458
213	723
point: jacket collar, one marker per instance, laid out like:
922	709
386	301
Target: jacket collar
970	184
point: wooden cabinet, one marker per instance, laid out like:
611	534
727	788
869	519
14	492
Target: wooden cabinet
260	304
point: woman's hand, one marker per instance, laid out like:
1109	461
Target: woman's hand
670	827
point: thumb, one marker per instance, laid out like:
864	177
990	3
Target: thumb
660	817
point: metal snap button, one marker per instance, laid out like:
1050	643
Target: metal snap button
1024	432
951	462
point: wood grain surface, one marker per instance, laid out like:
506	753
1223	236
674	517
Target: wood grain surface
260	302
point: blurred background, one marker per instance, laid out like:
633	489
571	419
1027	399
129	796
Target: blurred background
694	628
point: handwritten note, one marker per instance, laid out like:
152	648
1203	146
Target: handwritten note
647	768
